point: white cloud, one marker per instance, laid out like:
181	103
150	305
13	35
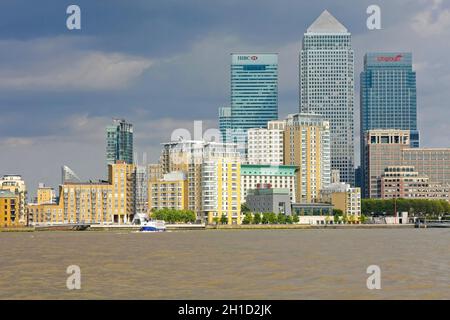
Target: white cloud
433	21
42	65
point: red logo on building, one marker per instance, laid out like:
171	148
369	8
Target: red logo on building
390	59
254	57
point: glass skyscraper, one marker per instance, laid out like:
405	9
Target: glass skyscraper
119	142
388	95
254	95
327	87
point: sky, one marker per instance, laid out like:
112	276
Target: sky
163	64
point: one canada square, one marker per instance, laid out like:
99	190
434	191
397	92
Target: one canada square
327	87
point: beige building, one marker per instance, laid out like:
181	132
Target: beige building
16	185
383	148
307	146
342	196
169	192
9	209
406	182
109	201
213	176
386	148
45	195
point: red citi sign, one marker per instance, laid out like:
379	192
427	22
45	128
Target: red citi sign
390	59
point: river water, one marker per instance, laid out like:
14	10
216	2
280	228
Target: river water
227	264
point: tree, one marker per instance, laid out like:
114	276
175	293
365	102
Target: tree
295	218
338	212
216	220
272	218
247	218
336	218
289	219
363	219
281	218
257	218
224	219
265	218
244	208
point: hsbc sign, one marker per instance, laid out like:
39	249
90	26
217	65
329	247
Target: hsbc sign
390	59
246	58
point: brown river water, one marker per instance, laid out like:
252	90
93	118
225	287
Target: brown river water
227	264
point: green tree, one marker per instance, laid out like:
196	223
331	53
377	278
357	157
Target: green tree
281	218
247	218
257	218
265	218
295	218
244	208
224	219
289	220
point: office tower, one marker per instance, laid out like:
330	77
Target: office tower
16	185
382	148
265	145
119	142
254	176
388	95
254	94
327	86
225	122
307	146
213	177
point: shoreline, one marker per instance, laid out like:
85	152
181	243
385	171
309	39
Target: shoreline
97	228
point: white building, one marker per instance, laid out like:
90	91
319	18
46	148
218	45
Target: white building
278	177
265	145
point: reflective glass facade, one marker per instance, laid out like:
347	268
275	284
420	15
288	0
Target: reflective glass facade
388	96
254	93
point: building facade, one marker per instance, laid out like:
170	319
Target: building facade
119	142
406	182
432	162
388	96
9	209
169	192
16	185
327	86
265	145
213	174
382	148
254	95
45	194
277	177
307	146
101	202
342	196
274	200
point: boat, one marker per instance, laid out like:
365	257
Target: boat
153	226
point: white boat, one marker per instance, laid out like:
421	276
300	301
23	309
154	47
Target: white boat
153	226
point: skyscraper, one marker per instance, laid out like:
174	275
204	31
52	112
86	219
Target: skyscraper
327	86
388	95
119	142
254	94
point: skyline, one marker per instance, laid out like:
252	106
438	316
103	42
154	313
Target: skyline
73	114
